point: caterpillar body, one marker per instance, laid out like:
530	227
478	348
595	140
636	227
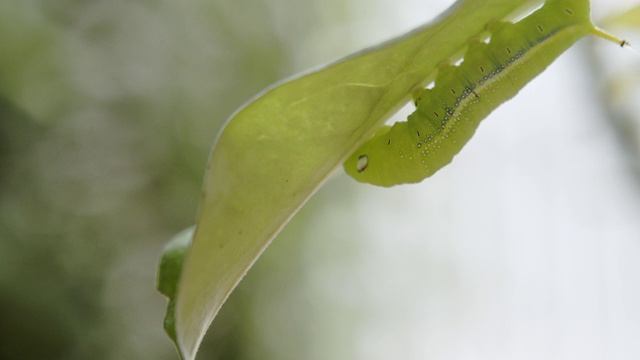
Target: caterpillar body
490	73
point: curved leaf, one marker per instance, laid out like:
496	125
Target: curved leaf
279	148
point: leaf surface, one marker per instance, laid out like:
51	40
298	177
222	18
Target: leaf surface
277	150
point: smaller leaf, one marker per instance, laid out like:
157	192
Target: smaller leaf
169	271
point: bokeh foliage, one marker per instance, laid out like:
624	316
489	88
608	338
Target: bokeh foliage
107	113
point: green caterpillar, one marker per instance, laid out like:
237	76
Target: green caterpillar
491	73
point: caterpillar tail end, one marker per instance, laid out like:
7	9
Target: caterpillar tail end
605	35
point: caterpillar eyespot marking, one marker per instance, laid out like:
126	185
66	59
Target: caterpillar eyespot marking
446	116
363	162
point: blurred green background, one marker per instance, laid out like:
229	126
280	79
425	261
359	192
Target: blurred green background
108	110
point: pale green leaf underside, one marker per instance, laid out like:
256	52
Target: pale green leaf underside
277	150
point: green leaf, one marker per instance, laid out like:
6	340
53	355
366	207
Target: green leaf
169	271
281	147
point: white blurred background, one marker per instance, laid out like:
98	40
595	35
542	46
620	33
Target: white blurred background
525	247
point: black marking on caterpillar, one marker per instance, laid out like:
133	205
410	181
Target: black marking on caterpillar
446	116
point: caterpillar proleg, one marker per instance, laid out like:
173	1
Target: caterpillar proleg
490	73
